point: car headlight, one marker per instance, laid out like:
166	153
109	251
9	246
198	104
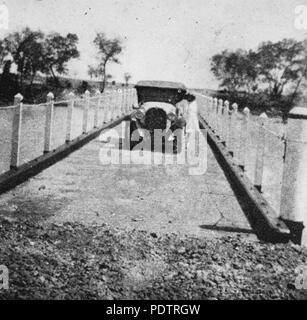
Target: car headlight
140	113
172	116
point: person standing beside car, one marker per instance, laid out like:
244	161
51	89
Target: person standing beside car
191	114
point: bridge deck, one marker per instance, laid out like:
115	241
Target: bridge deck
156	198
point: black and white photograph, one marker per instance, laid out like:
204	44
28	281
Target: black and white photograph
153	151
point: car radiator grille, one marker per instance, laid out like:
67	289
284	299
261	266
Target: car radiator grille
155	118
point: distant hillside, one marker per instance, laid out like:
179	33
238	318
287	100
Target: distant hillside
207	92
75	82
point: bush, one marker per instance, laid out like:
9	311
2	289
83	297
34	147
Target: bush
37	93
83	87
259	102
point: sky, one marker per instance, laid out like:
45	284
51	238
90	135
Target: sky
163	39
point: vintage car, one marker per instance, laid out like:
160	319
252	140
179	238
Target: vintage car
157	108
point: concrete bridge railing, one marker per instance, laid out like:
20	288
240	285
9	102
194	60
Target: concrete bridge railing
110	105
272	154
57	127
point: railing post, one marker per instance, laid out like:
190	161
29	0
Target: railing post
70	109
97	107
260	152
135	97
202	106
106	106
211	110
119	102
226	122
49	121
207	113
113	103
123	105
129	100
244	138
233	129
16	131
85	111
125	101
109	111
123	108
207	106
293	193
214	115
220	118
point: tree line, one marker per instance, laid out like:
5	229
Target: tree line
275	71
35	53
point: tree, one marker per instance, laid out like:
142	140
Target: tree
93	72
3	52
127	77
58	50
302	73
235	70
281	64
108	50
33	52
5	64
271	68
26	48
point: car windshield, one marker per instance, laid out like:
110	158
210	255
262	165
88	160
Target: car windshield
159	94
167	107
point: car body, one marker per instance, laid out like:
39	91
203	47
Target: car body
157	107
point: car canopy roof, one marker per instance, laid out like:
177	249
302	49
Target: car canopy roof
160	91
161	84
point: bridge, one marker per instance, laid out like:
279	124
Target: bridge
51	170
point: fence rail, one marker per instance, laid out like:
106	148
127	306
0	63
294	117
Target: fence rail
56	122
